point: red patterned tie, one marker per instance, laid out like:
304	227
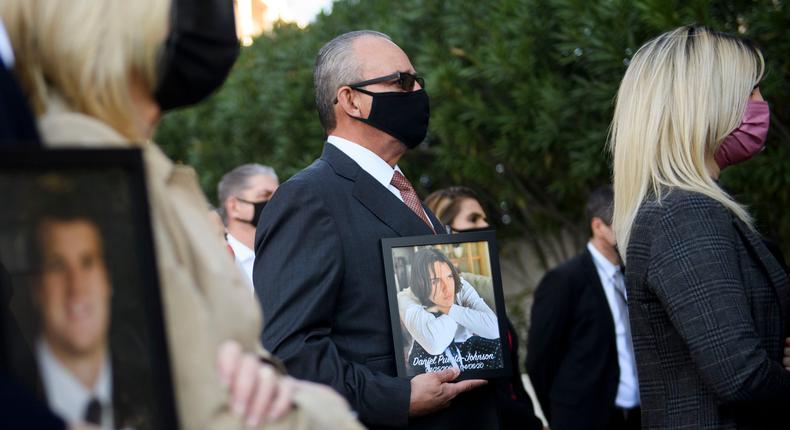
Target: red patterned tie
410	197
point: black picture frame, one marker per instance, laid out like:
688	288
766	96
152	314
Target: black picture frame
472	356
109	186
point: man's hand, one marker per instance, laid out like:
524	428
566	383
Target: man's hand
433	391
257	392
786	357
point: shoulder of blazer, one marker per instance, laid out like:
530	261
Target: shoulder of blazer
341	163
678	203
676	208
579	270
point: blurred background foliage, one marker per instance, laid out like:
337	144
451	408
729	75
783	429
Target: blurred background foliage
521	93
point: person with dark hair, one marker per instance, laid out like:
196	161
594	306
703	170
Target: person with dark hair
72	295
580	355
459	208
446	317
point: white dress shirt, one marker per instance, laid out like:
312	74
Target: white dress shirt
628	388
66	395
6	53
245	258
371	163
471	316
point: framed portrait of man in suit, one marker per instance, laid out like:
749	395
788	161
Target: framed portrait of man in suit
446	304
81	324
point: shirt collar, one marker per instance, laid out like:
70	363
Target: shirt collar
608	268
65	393
6	53
242	252
366	159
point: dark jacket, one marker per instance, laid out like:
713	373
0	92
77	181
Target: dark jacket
708	306
572	349
17	126
512	400
319	275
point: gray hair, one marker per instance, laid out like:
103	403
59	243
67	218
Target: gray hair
236	181
336	66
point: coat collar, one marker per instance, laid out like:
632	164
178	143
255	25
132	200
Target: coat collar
594	282
63	127
378	200
773	270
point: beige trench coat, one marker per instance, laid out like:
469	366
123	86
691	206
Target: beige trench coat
204	295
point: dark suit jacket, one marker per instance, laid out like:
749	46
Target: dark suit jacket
17	126
20	409
512	400
319	275
709	312
572	349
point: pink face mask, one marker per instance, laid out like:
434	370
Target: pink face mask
748	139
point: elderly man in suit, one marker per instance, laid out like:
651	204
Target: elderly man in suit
243	193
580	356
318	269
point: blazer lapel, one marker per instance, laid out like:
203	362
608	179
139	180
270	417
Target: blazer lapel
591	273
777	275
377	199
438	227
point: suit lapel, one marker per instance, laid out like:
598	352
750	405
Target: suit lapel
775	273
591	273
377	199
437	225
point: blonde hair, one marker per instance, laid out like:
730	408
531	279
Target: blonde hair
682	94
88	52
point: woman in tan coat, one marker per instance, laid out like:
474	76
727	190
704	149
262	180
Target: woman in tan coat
89	70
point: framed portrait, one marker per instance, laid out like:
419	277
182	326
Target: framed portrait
81	323
446	304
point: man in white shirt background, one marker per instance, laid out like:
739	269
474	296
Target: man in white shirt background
243	192
580	356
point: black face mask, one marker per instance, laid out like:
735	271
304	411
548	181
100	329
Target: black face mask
256	215
199	52
402	115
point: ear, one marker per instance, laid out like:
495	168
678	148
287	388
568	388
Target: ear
348	100
231	207
595	226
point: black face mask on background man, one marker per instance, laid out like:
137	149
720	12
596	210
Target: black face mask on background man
199	52
256	215
402	115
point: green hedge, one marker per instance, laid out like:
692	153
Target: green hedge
521	99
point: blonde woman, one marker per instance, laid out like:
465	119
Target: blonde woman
90	70
709	304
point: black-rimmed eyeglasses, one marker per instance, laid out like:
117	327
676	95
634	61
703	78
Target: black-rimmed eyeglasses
405	81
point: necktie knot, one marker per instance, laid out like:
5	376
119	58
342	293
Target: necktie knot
93	412
619	282
401	183
410	197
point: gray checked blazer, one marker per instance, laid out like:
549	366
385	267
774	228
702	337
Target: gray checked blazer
709	306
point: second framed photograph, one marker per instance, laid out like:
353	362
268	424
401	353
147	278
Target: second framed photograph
81	321
446	304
